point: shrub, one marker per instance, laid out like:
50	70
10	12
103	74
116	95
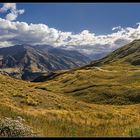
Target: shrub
14	128
99	115
134	132
31	102
18	95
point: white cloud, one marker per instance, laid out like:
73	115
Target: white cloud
14	12
15	32
7	6
116	28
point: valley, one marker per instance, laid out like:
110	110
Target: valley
98	99
69	70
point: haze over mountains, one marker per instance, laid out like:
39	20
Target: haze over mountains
27	62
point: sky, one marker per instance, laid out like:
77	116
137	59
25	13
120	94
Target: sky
90	28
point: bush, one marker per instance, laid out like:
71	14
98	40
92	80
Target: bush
18	95
14	128
99	115
31	102
134	132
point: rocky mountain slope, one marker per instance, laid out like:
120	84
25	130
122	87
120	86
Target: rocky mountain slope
26	61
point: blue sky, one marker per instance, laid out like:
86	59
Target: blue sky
90	28
98	18
75	17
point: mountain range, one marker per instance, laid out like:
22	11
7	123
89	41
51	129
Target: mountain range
27	62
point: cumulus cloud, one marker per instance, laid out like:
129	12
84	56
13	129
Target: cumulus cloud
7	6
15	32
14	12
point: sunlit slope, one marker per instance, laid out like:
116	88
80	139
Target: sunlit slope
114	79
109	84
24	94
56	114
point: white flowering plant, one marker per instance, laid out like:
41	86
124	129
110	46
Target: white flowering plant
14	128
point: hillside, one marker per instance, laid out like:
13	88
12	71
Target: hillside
56	114
27	62
103	85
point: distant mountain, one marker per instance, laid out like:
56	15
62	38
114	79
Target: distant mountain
97	56
129	53
27	62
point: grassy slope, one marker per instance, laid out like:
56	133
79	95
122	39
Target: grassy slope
65	106
116	84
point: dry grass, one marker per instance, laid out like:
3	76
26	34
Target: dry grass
61	107
95	86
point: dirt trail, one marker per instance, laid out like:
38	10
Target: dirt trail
100	69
